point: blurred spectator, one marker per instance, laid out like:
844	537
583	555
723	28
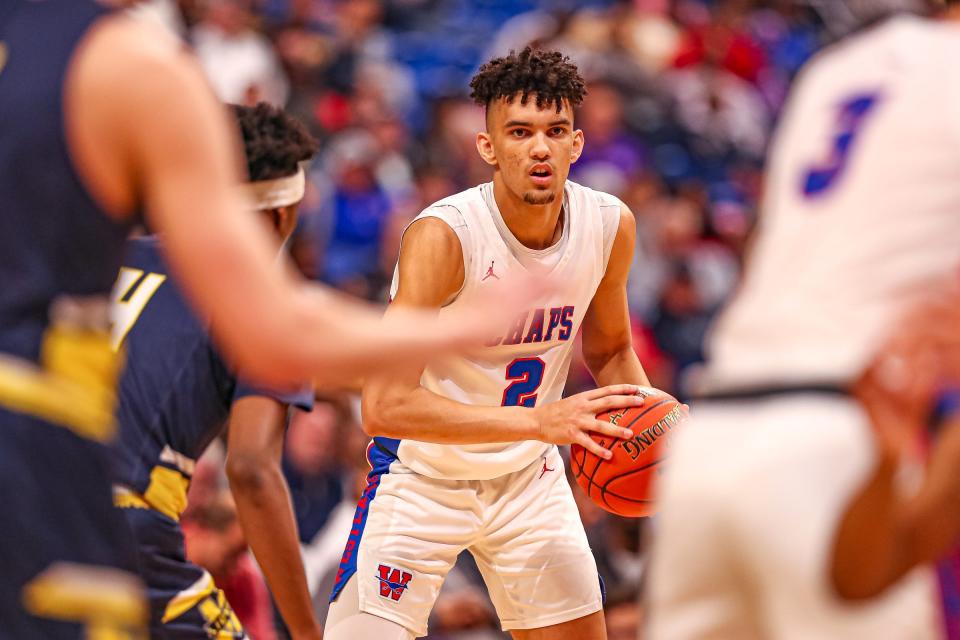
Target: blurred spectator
312	466
611	155
239	61
347	227
624	615
214	540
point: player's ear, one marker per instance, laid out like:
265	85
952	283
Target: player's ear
286	220
485	148
577	148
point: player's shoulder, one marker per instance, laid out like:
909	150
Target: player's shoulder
905	44
134	46
145	253
576	191
456	206
613	212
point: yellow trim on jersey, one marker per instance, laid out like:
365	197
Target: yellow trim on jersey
189	598
74	386
166	493
221	621
109	602
126	499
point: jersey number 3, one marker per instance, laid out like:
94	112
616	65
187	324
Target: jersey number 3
527	376
852	114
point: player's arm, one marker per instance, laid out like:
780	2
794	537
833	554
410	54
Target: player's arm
144	104
397	406
254	450
884	533
607	338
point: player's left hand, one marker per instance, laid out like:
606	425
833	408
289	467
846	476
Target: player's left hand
899	387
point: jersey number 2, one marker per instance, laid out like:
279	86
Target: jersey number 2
851	115
527	376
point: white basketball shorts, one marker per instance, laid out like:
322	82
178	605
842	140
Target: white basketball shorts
523	529
751	497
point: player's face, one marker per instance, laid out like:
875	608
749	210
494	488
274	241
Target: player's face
532	148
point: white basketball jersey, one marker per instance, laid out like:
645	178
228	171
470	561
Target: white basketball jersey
861	212
526	365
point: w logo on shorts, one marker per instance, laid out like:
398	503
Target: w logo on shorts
393	582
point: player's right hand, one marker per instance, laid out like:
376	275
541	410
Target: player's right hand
572	419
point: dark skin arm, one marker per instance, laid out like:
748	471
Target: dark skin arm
254	450
883	534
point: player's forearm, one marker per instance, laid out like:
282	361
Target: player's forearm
618	366
883	535
420	414
265	512
867	546
933	516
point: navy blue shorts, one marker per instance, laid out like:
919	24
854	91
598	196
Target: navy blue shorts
184	601
58	528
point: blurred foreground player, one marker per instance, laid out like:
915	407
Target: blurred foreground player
174	399
860	223
103	117
464	454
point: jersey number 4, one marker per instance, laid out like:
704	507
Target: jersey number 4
130	295
852	114
527	376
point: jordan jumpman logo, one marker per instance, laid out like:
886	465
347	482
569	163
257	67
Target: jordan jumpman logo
490	273
545	467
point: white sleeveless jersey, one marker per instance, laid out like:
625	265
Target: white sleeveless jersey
861	212
527	363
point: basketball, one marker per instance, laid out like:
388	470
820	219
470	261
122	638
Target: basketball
624	484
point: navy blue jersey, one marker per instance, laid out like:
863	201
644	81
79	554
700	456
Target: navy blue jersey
176	390
59	252
54	239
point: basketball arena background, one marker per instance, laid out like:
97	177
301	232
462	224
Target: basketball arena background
682	98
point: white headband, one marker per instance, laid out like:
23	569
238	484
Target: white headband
279	192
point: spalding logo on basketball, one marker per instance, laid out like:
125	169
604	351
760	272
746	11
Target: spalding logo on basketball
624	484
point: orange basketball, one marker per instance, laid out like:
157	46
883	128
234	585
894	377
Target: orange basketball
624	484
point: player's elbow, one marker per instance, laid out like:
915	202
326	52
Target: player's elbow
247	472
857	585
374	422
379	414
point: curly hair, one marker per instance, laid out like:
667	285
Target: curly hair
273	141
548	74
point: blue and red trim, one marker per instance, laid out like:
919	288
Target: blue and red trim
381	453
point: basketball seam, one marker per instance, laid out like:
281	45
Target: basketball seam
603	488
590	482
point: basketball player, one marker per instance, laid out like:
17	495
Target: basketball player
464	453
859	222
103	117
174	397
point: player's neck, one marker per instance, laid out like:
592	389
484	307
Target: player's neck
534	226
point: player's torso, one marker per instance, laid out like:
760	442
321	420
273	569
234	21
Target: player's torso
175	392
527	363
58	250
860	213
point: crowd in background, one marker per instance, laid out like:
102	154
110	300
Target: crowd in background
683	95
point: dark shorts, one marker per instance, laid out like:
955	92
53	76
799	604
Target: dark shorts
184	602
58	532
